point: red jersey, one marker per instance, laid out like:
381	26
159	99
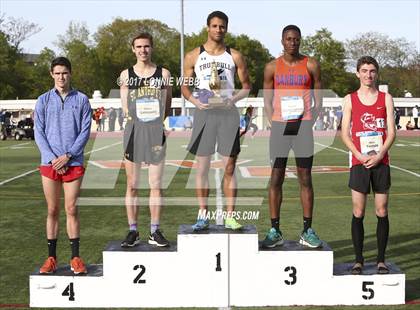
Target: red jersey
368	126
292	91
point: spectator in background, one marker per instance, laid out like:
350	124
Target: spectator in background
409	126
397	115
96	117
415	113
331	117
188	123
112	118
102	118
339	117
120	118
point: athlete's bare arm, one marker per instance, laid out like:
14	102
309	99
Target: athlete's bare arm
269	70
390	133
189	62
345	131
314	70
124	91
243	75
167	92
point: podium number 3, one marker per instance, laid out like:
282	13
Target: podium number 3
218	267
141	273
69	291
368	290
292	275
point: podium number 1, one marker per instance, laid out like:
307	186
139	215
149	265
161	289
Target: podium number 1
218	267
69	291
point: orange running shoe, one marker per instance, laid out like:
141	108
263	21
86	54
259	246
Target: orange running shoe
77	265
50	266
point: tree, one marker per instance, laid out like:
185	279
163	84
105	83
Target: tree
75	32
330	53
15	76
388	52
40	73
17	30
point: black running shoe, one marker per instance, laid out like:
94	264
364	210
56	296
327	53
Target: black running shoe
131	240
158	239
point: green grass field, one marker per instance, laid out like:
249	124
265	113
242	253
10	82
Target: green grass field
23	210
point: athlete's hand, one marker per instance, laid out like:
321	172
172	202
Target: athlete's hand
362	158
229	103
62	170
373	161
60	162
201	106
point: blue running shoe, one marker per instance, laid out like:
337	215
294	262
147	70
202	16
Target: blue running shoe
310	239
272	239
200	225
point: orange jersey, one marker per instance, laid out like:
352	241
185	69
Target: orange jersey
292	91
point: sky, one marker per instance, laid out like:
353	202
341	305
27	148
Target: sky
261	20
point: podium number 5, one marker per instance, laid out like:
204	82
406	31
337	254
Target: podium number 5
368	290
218	267
292	275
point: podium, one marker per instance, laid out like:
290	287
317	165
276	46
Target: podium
216	268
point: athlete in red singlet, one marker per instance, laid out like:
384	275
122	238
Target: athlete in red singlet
368	130
288	85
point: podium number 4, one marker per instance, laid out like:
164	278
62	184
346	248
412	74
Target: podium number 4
365	288
69	291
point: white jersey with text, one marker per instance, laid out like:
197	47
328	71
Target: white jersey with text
226	69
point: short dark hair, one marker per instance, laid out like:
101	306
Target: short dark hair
290	27
60	61
367	60
218	14
143	35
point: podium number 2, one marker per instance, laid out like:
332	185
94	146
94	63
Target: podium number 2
292	275
368	290
218	267
69	291
141	273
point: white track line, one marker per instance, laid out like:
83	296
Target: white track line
14	145
32	171
392	166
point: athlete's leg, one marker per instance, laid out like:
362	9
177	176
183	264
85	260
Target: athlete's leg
132	171
52	192
306	191
382	228
357	229
155	198
71	193
202	181
229	182
275	193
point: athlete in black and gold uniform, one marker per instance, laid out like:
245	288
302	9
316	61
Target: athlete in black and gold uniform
146	99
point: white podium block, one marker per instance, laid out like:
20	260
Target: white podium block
216	268
137	274
287	275
63	289
369	288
